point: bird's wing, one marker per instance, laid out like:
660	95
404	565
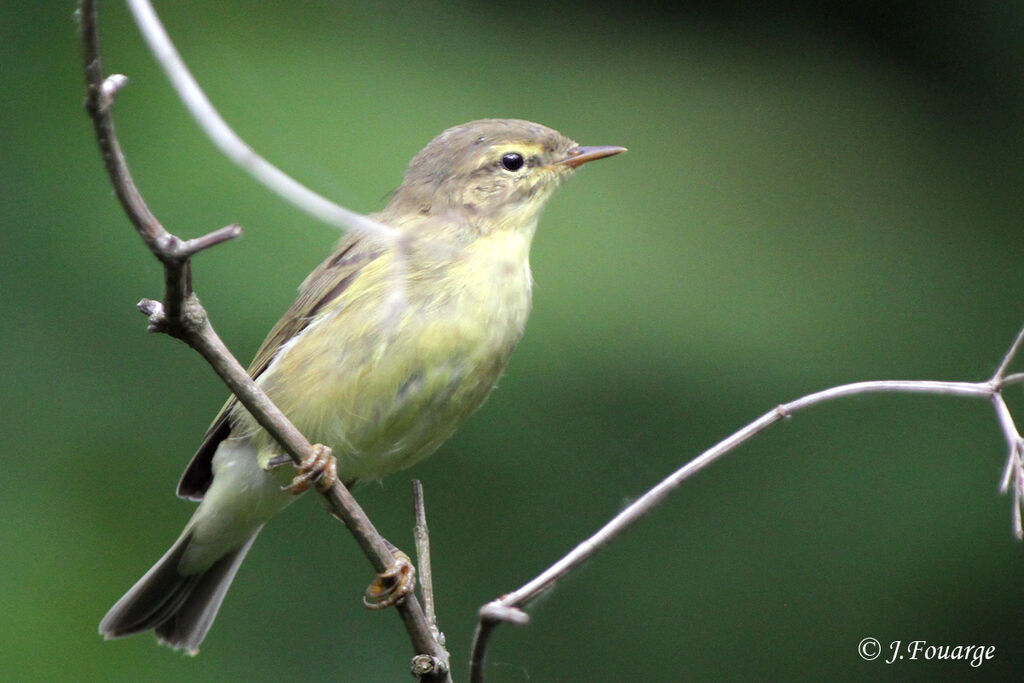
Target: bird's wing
323	285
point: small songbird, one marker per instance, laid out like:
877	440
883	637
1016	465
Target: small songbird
389	347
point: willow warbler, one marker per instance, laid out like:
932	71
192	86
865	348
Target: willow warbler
386	351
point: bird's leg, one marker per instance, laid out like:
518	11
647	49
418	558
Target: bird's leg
320	468
391	587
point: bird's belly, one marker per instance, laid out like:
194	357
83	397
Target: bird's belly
400	421
387	398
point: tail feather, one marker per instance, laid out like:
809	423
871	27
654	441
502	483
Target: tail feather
187	625
180	608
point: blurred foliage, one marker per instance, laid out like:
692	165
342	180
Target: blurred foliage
813	195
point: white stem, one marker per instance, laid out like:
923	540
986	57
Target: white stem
233	146
1012	436
652	498
1008	358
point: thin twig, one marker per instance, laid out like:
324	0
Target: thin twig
1008	358
508	608
423	663
422	536
1013	474
233	147
224	138
1015	378
181	315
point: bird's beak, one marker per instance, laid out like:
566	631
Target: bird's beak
577	156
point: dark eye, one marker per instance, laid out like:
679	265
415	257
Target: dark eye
513	161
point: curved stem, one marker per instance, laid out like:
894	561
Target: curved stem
231	145
508	607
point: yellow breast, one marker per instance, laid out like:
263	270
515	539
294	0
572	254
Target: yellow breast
395	364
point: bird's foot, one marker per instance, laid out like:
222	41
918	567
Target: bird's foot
391	587
320	468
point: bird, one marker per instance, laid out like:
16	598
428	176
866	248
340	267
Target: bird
390	345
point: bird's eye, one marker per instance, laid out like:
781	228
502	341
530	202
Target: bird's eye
513	161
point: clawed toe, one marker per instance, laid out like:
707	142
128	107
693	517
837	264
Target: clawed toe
320	468
391	587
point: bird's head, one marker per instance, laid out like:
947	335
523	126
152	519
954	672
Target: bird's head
493	173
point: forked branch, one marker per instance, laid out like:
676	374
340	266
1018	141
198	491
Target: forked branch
509	608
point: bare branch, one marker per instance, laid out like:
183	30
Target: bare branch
193	246
508	607
1015	378
232	145
422	536
1014	470
1008	358
182	316
426	577
490	615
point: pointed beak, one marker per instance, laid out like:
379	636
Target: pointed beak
577	156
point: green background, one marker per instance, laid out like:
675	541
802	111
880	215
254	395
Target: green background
817	195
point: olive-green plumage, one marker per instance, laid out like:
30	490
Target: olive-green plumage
389	347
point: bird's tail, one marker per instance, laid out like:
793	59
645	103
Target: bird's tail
179	607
